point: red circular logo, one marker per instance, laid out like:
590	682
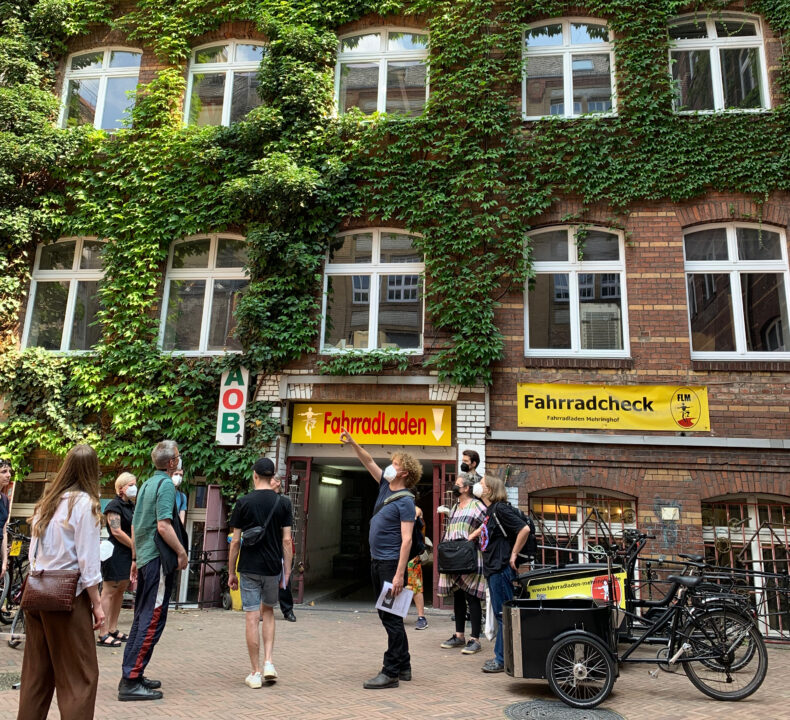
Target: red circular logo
601	589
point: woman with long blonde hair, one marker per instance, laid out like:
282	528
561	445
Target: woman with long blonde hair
60	653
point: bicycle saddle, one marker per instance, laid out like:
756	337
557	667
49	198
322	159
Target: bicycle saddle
689	581
692	558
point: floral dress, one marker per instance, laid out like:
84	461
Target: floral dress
461	523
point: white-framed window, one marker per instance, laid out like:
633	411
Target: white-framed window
223	82
718	63
569	69
373	293
64	295
382	70
96	88
737	283
575	304
206	277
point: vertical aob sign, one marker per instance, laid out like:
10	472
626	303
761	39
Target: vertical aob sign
232	406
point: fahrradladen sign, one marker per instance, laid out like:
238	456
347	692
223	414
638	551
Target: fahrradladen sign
232	406
614	407
379	424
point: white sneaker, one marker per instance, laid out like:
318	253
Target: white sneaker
253	680
269	673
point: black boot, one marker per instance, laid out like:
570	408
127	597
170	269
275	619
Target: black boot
380	681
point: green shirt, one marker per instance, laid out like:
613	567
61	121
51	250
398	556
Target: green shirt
152	506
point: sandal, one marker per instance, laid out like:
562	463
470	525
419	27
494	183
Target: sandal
102	641
119	636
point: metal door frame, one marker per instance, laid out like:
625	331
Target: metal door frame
301	478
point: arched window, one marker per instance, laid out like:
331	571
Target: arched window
97	86
737	284
575	305
718	63
205	278
64	300
373	292
383	71
569	69
223	82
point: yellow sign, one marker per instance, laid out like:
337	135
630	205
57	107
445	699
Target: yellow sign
380	424
614	407
15	549
593	587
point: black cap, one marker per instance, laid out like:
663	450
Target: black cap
264	467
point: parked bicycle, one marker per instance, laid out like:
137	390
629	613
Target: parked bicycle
13	582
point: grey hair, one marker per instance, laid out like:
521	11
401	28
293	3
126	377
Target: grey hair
163	453
468	479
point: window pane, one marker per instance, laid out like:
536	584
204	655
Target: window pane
706	245
399	41
592	83
232	253
223	314
87	61
347	311
757	244
205	104
117	104
249	53
361	43
397	247
735	28
693	81
711	313
81	98
357	248
359	86
545	86
740	70
184	315
245	94
192	254
400	312
406	87
550	246
91	258
48	316
549	312
765	306
123	58
584	33
84	334
692	30
544	35
58	256
217	53
601	322
598	245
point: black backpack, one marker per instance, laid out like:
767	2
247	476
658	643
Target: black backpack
530	548
417	534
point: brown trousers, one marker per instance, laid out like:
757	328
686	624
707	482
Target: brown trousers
60	653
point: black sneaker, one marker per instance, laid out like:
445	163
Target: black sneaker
129	690
492	666
453	642
380	682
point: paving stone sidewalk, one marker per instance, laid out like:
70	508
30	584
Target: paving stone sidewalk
323	658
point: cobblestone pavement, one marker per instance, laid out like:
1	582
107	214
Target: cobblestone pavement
323	658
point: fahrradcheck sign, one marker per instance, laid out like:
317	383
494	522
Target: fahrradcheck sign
379	424
614	407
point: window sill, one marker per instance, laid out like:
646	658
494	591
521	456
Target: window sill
333	352
591	363
744	365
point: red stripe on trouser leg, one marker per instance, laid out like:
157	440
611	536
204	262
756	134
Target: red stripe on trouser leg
148	642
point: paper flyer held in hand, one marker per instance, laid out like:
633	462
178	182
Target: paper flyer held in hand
397	605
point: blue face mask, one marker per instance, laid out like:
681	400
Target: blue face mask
390	473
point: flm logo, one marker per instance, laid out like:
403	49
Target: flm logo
686	408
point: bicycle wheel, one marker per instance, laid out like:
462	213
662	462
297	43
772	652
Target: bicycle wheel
5	583
580	670
731	657
17	629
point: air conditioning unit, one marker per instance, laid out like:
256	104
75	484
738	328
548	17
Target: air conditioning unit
601	326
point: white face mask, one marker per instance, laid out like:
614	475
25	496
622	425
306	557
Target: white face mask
177	479
477	490
131	492
390	473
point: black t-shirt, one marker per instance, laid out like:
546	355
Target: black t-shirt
496	556
265	557
4	509
124	508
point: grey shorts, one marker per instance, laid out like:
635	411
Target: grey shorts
257	589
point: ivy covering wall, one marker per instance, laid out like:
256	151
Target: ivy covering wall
468	175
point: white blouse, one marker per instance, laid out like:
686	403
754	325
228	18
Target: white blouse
70	543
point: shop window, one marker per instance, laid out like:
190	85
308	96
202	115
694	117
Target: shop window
223	82
383	71
575	303
206	277
97	85
64	296
718	63
373	293
569	69
737	284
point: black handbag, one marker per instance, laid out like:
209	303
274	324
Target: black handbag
457	557
167	556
